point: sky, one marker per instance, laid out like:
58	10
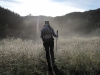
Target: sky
49	7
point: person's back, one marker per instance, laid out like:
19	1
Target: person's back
47	33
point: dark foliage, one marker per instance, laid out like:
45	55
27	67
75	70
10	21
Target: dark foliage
10	23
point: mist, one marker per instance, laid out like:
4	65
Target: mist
75	24
67	28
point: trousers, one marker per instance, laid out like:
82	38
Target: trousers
49	48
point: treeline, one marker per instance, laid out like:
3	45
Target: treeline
16	26
10	23
80	23
73	24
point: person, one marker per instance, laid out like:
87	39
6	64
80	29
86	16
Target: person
47	34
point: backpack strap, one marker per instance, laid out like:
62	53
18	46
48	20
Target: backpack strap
50	32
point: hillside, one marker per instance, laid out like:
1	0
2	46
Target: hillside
73	24
82	23
10	23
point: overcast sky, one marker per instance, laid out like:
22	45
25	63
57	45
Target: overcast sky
49	7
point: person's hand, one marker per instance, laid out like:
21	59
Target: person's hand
57	33
42	39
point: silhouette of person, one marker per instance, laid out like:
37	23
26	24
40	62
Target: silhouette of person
47	34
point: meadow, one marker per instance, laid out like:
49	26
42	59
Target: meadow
74	56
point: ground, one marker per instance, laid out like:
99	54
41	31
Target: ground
74	56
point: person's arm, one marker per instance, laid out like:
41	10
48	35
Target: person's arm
41	36
54	34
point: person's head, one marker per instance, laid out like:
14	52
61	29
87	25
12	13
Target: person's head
47	22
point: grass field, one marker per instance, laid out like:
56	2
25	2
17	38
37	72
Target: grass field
74	56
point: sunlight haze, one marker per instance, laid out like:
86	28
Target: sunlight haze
48	7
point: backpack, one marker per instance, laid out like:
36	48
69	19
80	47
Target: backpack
47	34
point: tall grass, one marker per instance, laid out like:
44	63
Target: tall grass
75	56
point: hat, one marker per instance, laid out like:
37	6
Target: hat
46	22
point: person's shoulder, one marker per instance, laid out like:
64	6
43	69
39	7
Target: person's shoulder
51	28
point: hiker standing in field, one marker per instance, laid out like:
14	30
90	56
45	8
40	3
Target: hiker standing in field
47	34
